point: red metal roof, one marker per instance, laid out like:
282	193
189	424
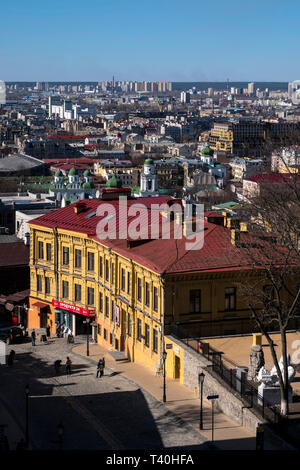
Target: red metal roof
14	254
273	178
161	255
67	137
80	160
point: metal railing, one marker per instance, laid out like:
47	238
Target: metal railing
226	371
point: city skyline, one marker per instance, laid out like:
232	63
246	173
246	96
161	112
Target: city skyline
169	42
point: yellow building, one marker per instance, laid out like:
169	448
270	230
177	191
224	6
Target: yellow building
135	292
221	137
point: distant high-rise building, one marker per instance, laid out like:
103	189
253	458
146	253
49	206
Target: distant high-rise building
210	91
292	88
185	97
251	88
39	86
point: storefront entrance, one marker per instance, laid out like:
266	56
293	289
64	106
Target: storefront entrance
75	322
64	318
79	325
72	317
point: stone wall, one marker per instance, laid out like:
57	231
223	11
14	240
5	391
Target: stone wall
229	403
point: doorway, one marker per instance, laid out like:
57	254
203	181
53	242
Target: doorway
81	328
177	368
43	317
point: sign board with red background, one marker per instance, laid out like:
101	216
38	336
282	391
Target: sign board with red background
74	308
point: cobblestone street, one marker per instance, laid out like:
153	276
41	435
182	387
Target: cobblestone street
107	413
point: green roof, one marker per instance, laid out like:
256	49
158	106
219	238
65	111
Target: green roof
148	161
87	173
163	191
58	173
87	185
226	204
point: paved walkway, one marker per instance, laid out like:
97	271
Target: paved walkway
98	414
228	434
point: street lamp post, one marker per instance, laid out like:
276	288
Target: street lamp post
201	381
87	336
60	430
27	417
164	362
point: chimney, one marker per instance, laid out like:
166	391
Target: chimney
191	225
27	239
243	227
235	237
79	207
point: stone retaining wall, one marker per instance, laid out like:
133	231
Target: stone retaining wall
228	402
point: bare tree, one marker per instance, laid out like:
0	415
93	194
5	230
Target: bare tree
271	247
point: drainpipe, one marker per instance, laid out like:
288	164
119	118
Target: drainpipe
56	262
162	333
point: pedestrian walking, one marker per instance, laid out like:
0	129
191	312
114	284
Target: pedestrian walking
57	365
100	368
11	357
68	365
33	337
48	331
58	330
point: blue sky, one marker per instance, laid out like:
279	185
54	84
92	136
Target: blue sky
172	40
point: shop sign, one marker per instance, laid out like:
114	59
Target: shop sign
74	308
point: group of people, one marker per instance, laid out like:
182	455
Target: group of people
62	330
57	363
57	366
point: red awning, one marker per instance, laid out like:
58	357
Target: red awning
40	304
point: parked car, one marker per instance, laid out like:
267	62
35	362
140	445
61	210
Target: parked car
11	334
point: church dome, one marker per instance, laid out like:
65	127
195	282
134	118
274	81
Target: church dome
114	182
149	161
72	172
